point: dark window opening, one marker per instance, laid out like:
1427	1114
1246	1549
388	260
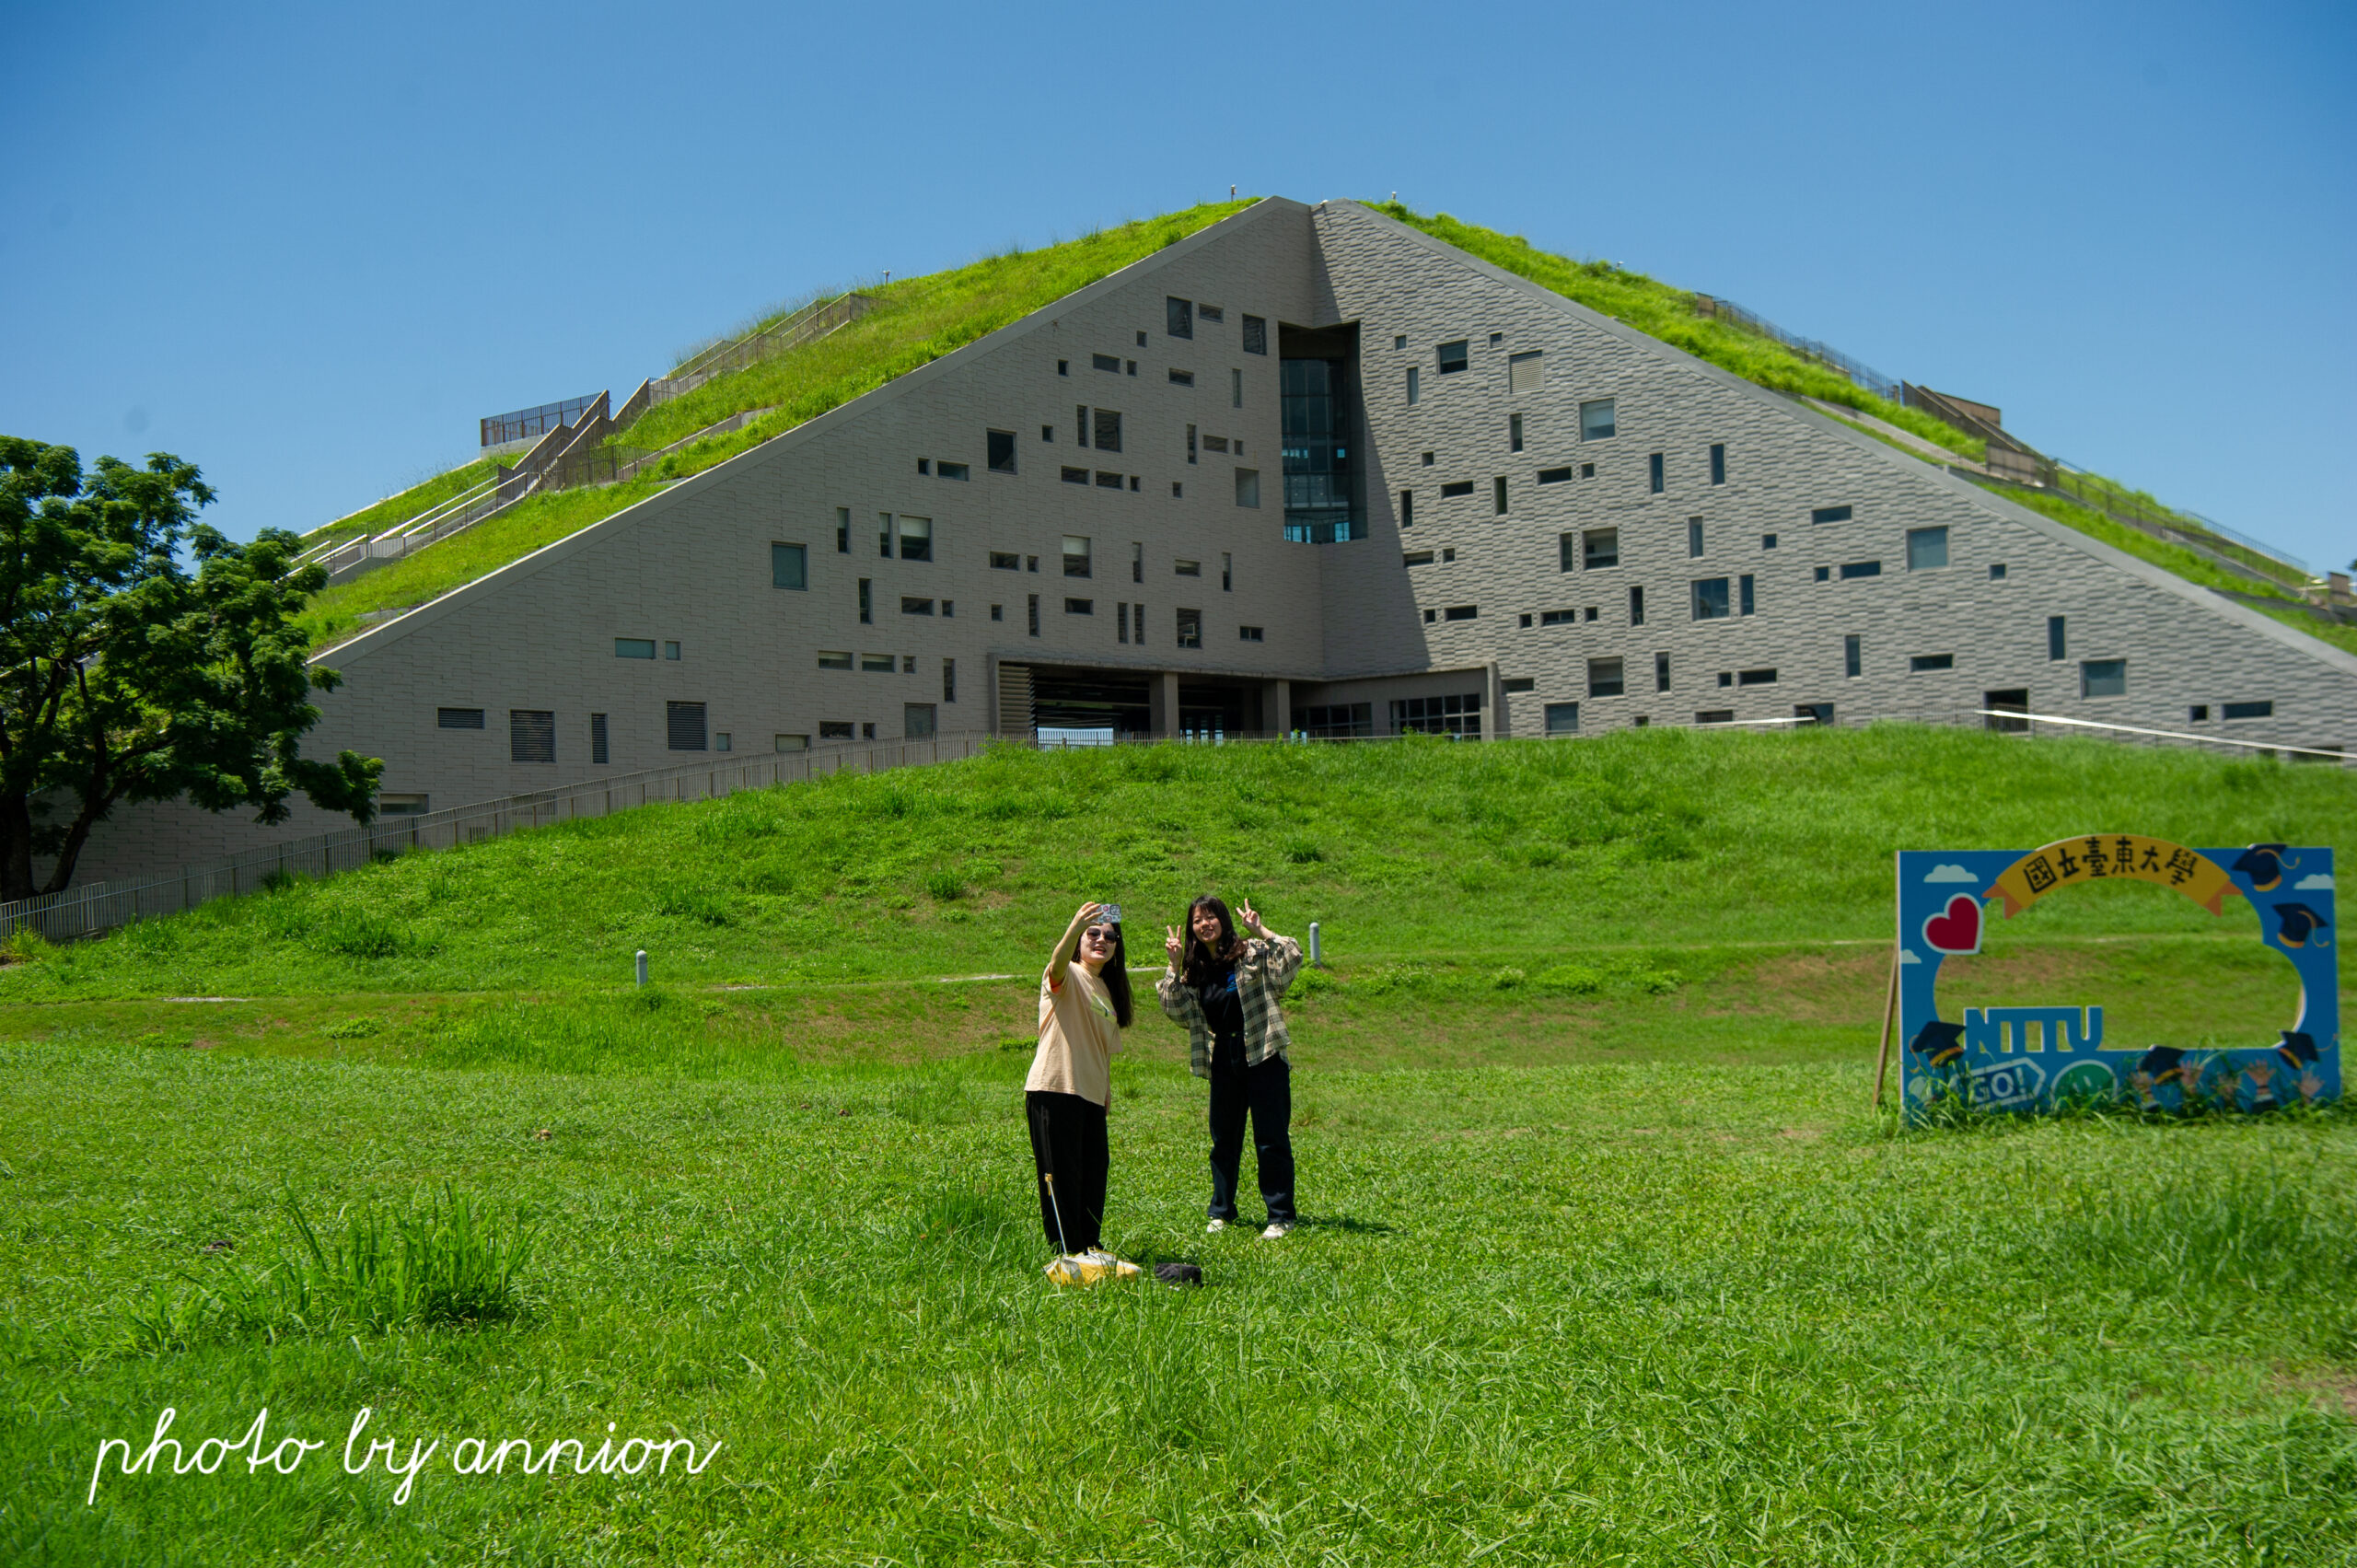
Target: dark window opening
1830	515
1453	356
599	751
683	727
457	718
1001	454
1718	463
2247	710
531	735
1179	317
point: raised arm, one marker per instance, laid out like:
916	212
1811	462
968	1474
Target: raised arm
1284	953
1179	1003
1059	960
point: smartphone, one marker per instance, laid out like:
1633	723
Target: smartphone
1110	913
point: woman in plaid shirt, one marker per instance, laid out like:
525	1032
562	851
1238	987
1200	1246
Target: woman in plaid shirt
1224	989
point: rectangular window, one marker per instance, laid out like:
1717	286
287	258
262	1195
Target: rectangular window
954	471
1830	515
1255	335
884	535
1235	388
949	680
1996	571
1766	541
1249	634
1755	677
599	751
834	730
925	465
842	530
2058	645
671	650
1001	450
1190	447
1453	356
1035	614
1637	605
916	538
1006	560
1598	420
1078	562
867	604
1693	536
1080	607
1715	715
1498	496
1248	487
1710	598
1407	508
1455	715
1927	549
1554	476
1456	488
1219	444
1179	317
1718	463
876	664
1227	573
1519	683
1461	612
1107	481
1188	568
1852	663
1137	562
1559	618
1525	373
531	735
1415	385
1107	361
1922	663
1106	429
1854	569
2103	678
1743	601
1653	473
1417	558
1562	718
1211	313
683	727
1513	433
723	741
1121	626
791	742
910	606
789	566
1605	677
1075	476
2239	710
1599	547
834	660
1661	672
1190	621
632	647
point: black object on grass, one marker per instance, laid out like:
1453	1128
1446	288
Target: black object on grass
1179	1273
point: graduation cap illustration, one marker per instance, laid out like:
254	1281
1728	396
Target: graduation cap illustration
2263	864
1938	1043
2161	1060
2299	923
2298	1050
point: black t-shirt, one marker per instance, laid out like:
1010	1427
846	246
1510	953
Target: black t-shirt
1223	1010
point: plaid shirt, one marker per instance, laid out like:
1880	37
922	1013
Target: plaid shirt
1263	971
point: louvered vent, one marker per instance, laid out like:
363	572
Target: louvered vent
685	723
531	735
1015	720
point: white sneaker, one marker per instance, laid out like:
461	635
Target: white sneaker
1215	1227
1098	1255
1276	1232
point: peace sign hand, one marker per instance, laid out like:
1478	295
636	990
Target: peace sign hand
1174	945
1251	918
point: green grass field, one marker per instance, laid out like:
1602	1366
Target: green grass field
1608	1256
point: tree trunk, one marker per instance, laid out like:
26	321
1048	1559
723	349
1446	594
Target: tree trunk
92	815
15	847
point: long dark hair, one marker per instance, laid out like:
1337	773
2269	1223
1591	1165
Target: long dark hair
1203	963
1116	972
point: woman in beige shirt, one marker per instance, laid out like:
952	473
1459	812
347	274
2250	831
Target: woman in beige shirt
1083	1007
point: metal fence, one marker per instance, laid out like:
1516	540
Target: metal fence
806	325
498	429
102	906
1832	358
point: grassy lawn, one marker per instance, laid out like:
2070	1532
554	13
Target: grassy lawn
1607	1258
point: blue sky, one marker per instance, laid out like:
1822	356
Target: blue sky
307	247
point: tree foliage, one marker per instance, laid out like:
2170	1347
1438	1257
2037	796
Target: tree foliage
127	677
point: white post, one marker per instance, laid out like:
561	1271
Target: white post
642	966
1313	944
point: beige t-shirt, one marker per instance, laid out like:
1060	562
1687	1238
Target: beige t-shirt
1078	1034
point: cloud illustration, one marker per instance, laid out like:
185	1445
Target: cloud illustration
1907	956
1950	874
2320	882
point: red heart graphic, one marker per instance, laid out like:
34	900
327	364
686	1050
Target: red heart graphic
1957	931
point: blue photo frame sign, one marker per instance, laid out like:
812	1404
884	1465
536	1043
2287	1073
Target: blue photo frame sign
2030	1059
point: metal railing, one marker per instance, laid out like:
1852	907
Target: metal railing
806	325
1833	359
102	906
524	423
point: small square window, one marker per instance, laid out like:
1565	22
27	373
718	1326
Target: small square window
1525	373
1001	450
1562	718
1078	556
1496	338
998	612
671	650
1824	574
1599	549
1996	571
1399	343
1448	555
1587	471
1766	541
925	465
1727	678
1255	335
2104	677
1605	677
916	538
1190	621
1046	432
1597	420
1590	613
1064	367
1453	356
1177	491
1430	616
1927	549
721	741
1178	318
1425	460
1133	364
1710	598
2199	713
1526	622
789	566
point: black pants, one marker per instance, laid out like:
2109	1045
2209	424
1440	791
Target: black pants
1068	1139
1266	1094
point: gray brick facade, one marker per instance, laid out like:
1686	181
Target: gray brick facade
1339	622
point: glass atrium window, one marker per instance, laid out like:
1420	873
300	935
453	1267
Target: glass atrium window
1320	483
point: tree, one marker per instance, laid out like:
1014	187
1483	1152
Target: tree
125	678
